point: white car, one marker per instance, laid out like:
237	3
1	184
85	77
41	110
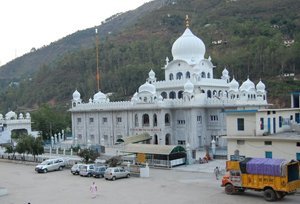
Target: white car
50	165
114	173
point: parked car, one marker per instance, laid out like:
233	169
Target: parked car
87	170
51	165
114	173
99	171
76	168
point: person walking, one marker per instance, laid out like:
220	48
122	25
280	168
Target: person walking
93	189
217	172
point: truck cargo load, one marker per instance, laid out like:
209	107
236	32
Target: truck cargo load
275	177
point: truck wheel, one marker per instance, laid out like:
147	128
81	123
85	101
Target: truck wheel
270	195
280	195
229	189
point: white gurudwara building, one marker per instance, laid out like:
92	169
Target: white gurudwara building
187	108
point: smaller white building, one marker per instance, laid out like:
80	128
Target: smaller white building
11	121
265	133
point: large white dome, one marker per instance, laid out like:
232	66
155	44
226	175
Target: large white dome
189	48
146	87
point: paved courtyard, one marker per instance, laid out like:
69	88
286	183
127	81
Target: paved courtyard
176	186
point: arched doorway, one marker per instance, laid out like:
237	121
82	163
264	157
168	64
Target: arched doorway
155	139
168	139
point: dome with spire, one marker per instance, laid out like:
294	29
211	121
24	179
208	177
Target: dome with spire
10	115
147	87
247	85
76	95
189	48
233	85
189	87
151	74
225	72
261	86
99	96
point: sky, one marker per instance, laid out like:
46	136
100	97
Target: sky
27	24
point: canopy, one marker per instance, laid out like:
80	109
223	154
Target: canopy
135	138
153	149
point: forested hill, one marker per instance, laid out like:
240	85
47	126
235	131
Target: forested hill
255	38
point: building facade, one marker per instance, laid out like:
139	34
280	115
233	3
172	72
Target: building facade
187	107
264	133
11	122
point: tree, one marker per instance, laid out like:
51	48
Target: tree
30	145
114	161
50	120
9	149
88	155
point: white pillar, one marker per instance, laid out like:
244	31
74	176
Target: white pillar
213	146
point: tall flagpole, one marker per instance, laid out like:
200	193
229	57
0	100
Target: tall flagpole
97	60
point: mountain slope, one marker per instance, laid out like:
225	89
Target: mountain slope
249	36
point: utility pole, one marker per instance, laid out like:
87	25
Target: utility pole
97	60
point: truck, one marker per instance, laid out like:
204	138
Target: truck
275	177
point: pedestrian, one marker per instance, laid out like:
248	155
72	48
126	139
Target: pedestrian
93	189
217	172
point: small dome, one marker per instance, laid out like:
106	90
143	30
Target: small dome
76	95
27	115
99	97
189	48
189	87
225	72
146	87
247	85
234	85
260	86
11	115
21	116
151	74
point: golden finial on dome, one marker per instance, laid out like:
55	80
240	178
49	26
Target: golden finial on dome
187	21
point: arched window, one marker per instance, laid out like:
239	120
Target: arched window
209	94
187	75
154	120
172	95
214	93
168	139
203	75
145	120
167	119
136	120
179	75
164	95
155	139
208	75
180	94
171	77
220	93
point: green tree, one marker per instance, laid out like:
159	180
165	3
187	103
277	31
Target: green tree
28	144
50	120
88	155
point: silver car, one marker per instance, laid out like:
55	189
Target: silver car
76	168
50	165
114	173
87	170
